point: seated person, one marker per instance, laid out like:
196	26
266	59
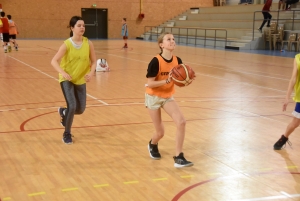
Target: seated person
289	3
281	2
102	65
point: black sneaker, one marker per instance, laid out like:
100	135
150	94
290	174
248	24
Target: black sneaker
67	138
180	161
153	151
259	30
281	142
62	115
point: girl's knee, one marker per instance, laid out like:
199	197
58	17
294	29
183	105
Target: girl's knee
80	110
160	135
181	123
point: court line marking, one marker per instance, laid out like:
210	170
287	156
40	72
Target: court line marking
245	83
69	189
141	103
160	179
285	196
35	194
100	185
53	78
130	182
213	57
247	98
208	66
239	174
187	176
186	190
291	167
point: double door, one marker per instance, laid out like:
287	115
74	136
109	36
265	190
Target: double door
95	22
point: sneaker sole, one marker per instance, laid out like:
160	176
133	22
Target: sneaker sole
277	148
182	166
60	117
66	143
155	158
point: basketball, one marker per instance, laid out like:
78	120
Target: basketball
182	75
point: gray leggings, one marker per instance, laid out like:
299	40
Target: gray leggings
75	96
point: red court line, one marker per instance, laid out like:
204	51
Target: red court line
181	193
22	126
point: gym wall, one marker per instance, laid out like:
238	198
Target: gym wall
48	19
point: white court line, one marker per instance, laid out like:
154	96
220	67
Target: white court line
258	115
210	66
214	76
141	103
272	197
245	83
249	72
286	194
53	78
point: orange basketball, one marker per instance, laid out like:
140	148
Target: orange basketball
182	75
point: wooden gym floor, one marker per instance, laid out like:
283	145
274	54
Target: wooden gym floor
233	113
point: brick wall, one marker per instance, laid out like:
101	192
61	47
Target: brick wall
49	18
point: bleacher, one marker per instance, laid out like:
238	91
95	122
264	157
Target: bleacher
229	26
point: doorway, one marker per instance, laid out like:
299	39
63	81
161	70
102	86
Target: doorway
95	20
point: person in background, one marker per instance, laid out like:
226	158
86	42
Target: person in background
266	14
289	3
102	65
5	32
124	32
13	31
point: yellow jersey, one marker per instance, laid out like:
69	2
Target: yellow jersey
76	61
297	85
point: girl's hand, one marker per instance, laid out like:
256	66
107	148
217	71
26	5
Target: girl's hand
88	77
170	76
66	76
285	103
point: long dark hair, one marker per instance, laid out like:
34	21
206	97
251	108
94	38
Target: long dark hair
72	23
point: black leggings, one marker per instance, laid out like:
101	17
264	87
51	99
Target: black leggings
267	17
75	96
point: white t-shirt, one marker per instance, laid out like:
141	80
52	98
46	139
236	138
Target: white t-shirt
102	65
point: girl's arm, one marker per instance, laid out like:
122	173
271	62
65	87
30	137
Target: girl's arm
54	62
152	83
125	29
89	76
291	85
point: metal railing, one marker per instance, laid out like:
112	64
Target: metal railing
277	19
188	33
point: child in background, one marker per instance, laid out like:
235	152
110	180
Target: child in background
13	31
102	65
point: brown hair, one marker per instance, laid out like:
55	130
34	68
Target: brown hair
161	38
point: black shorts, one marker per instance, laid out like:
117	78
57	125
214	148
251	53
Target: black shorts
13	36
5	37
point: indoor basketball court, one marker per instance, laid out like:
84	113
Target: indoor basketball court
233	111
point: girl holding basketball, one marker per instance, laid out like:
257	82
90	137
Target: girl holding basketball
77	66
159	94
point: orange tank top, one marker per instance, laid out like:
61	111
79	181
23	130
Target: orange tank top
166	90
12	28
